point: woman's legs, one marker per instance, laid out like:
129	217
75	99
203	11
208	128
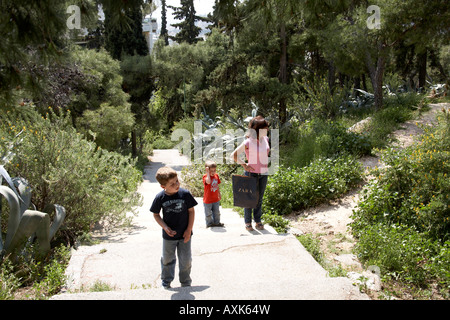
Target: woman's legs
257	212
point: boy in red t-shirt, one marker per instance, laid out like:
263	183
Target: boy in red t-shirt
211	195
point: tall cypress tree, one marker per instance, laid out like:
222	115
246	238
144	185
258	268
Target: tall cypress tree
125	39
188	30
164	33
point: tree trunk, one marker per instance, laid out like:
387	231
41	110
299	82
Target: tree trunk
357	82
422	66
379	83
376	74
283	72
331	76
434	63
133	143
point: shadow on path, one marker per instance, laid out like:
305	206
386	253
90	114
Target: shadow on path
185	293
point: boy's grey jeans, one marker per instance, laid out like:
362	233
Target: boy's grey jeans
168	261
212	213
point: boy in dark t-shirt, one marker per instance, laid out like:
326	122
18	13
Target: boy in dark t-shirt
177	206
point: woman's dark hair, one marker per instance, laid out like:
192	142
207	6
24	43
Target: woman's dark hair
258	123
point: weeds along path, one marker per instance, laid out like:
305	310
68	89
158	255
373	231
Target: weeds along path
329	222
228	263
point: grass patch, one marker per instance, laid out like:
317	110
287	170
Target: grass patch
101	286
312	245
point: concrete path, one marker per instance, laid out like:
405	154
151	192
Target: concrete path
229	263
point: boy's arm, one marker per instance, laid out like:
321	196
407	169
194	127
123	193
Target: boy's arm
187	233
163	225
208	176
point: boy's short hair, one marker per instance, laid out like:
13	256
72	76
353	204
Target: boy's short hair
210	164
164	174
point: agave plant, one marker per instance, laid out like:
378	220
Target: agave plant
25	224
212	143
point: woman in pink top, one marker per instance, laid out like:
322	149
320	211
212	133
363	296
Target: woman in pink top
256	148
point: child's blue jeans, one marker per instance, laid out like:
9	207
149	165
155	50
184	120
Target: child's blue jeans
257	212
212	213
168	261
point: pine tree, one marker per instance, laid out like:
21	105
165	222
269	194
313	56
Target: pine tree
226	16
188	30
28	42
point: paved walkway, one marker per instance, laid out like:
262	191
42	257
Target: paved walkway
229	263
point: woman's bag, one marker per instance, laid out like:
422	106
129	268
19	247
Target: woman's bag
245	191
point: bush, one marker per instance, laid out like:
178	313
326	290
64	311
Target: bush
45	277
101	81
398	109
323	139
277	222
108	124
405	254
64	168
414	189
291	189
8	281
402	220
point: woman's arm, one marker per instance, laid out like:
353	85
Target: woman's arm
235	157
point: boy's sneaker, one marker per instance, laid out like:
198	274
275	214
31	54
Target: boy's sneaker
219	224
166	285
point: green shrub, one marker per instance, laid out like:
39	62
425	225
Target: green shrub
292	189
162	142
46	277
9	282
397	110
107	125
101	286
323	139
402	221
64	168
404	253
50	276
414	189
279	223
315	97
